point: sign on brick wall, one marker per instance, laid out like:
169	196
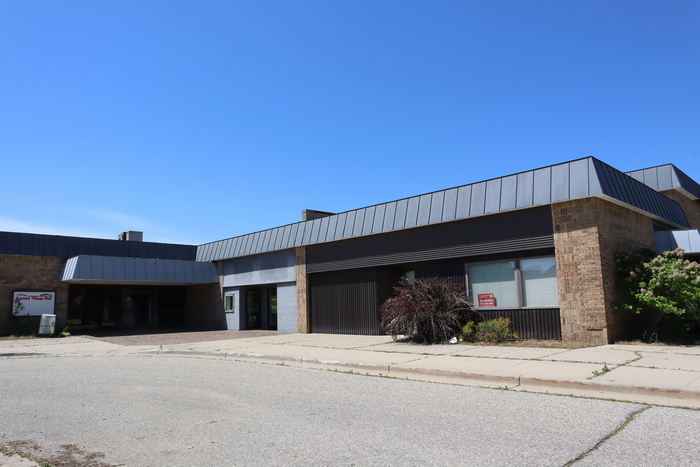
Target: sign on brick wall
33	303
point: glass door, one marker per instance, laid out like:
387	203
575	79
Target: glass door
272	308
252	309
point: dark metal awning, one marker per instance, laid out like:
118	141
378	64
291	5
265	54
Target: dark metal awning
87	269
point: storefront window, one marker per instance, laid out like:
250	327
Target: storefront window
539	276
493	284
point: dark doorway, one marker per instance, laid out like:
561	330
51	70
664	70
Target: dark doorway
261	307
93	307
252	309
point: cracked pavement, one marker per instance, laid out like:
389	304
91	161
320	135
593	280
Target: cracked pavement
140	409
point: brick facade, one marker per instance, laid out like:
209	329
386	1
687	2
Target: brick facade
31	273
587	235
691	207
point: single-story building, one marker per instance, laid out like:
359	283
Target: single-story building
536	246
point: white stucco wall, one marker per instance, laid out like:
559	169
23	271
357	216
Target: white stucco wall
269	268
233	319
287	307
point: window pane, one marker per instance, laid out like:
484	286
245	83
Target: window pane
539	282
493	278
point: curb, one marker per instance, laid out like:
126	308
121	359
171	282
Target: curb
604	390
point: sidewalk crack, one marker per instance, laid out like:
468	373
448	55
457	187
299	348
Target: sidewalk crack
629	419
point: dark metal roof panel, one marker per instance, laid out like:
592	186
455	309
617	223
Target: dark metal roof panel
628	190
571	180
667	177
509	193
369	220
464	201
579	179
15	243
436	204
411	212
524	189
340	226
492	201
478	199
115	269
379	213
400	216
349	225
389	216
424	204
542	186
560	183
359	223
449	207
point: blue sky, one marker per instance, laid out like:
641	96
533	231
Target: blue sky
199	120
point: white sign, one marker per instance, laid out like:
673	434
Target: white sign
33	303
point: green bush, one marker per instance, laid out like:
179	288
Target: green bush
492	331
469	332
495	331
663	290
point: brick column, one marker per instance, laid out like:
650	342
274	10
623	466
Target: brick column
303	320
588	233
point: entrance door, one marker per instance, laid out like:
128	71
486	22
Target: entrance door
252	309
272	308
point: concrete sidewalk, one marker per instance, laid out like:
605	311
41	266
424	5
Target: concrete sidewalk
654	374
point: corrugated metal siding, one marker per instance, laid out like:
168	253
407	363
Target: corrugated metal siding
515	231
345	303
14	243
110	269
348	302
476	249
666	177
570	180
530	323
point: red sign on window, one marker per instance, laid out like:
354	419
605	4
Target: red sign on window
486	300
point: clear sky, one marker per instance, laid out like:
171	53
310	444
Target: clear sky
199	120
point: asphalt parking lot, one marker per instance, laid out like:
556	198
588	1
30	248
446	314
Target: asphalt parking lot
171	410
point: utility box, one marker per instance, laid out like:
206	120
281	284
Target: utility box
47	325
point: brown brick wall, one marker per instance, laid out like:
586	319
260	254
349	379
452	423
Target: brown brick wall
303	319
691	207
587	235
31	273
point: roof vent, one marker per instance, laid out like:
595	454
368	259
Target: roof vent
131	236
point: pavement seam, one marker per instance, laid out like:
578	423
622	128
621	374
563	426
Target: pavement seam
629	419
656	351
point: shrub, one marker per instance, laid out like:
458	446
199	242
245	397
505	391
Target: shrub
469	332
660	288
494	331
429	310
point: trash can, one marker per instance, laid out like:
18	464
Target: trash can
47	325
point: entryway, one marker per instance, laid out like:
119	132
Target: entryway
261	307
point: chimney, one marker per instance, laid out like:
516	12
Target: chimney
310	214
131	236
